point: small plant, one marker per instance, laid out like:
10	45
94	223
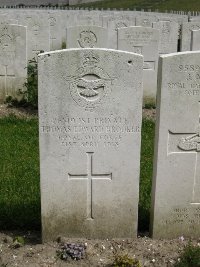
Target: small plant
150	105
190	257
71	250
18	241
27	97
125	261
31	92
64	45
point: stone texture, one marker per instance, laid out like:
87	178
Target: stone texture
186	38
38	32
113	26
90	105
195	45
143	40
13	60
169	32
87	37
176	180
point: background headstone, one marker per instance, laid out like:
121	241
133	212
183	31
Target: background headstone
13	60
87	37
195	40
186	37
38	32
169	32
176	180
144	41
90	104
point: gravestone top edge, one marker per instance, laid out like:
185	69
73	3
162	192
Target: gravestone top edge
179	54
87	49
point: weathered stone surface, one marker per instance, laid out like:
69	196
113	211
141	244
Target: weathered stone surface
144	41
87	37
38	32
90	104
195	45
186	39
176	180
113	26
169	32
13	60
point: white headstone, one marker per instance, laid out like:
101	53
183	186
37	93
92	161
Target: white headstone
176	179
87	37
38	33
169	32
146	21
56	31
144	41
113	26
13	60
90	103
186	39
195	40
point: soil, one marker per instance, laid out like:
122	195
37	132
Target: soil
155	253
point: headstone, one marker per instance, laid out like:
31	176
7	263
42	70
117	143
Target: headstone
13	60
144	41
186	39
89	20
87	37
146	21
90	103
113	26
56	31
195	40
176	179
38	33
169	32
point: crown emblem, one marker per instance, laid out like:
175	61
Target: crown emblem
90	60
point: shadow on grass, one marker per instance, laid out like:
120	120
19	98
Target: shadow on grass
146	171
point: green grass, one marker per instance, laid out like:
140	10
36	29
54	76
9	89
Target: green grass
162	5
146	170
19	175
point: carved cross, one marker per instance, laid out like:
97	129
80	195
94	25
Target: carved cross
6	76
89	176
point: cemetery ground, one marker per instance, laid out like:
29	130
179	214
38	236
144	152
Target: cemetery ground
20	236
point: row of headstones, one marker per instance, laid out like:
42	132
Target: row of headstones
45	31
90	113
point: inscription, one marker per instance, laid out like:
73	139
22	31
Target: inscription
182	216
139	38
189	84
90	132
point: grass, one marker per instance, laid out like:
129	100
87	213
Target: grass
162	5
146	170
19	176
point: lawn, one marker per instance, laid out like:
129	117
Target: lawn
19	176
161	5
